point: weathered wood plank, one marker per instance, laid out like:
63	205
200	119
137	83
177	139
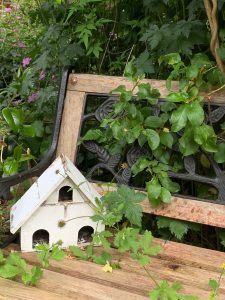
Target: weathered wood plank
11	290
190	255
182	209
71	122
105	84
133	278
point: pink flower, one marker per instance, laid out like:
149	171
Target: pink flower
26	61
32	97
42	75
21	45
53	77
8	9
18	17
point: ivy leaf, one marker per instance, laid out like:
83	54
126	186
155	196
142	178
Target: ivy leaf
152	138
220	154
195	113
178	118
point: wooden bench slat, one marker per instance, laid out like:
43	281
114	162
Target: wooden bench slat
182	209
132	278
11	290
105	84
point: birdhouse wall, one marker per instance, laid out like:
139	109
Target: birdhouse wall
47	217
76	196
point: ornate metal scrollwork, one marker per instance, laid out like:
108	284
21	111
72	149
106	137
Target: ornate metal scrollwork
120	167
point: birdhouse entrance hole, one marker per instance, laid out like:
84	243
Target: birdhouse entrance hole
40	237
66	193
84	235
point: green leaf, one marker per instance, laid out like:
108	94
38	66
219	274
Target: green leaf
152	138
102	259
77	252
166	138
220	154
165	195
14	118
140	165
192	72
17	152
28	130
177	97
153	190
178	118
154	122
142	259
195	113
168	184
9	271
33	277
145	92
57	253
187	143
39	128
92	134
10	167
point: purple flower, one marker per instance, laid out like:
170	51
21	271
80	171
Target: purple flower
21	45
8	9
26	61
32	97
42	75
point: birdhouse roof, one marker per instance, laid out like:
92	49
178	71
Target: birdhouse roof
45	185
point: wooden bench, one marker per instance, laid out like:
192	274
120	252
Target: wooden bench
73	279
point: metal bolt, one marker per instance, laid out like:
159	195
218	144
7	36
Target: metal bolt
73	80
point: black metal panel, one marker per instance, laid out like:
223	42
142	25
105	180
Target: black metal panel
112	163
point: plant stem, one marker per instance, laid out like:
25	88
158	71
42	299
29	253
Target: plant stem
150	276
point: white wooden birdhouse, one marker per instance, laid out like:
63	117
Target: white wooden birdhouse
57	207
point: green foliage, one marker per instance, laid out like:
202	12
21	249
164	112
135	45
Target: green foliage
46	253
176	227
169	292
14	266
124	202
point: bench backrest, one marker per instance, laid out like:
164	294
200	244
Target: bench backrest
79	85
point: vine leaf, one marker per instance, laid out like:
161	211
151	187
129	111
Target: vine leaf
189	164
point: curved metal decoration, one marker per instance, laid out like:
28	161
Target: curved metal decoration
121	171
7	182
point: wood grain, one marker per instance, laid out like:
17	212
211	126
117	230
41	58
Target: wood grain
105	84
182	209
71	122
